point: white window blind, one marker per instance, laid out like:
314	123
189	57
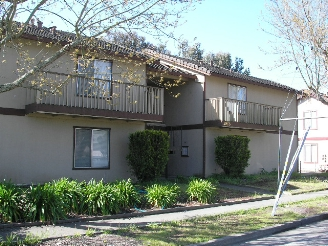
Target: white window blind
94	77
91	148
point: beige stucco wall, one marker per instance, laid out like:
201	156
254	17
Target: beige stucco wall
40	148
218	87
123	69
188	165
187	108
263	146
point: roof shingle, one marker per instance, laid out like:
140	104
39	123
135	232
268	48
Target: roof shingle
214	70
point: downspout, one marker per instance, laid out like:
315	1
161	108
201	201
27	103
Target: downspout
204	132
279	154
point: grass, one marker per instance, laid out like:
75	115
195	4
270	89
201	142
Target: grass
90	232
206	228
268	181
14	239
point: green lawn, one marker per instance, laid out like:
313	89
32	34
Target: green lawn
207	228
268	181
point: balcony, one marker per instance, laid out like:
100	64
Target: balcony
241	114
94	97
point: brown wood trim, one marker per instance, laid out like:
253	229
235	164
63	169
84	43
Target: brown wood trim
240	125
56	109
184	127
213	123
247	126
219	124
12	111
251	126
188	76
285	132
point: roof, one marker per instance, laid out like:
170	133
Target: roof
51	34
156	66
307	93
207	69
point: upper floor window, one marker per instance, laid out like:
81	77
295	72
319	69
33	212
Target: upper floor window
310	120
91	148
237	92
94	77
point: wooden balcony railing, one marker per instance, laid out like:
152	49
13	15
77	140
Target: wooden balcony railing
230	110
93	93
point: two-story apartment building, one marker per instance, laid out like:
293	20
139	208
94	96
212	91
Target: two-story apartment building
313	113
220	102
77	123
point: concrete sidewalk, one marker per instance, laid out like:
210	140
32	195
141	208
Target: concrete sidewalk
142	219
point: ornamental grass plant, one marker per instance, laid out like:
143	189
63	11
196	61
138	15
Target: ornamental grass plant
201	190
11	202
101	198
44	203
162	195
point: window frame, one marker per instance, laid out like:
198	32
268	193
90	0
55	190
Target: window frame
316	154
312	120
240	102
86	76
75	147
236	86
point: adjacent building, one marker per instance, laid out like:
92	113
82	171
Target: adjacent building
313	113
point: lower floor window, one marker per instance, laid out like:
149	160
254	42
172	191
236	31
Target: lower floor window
91	149
311	153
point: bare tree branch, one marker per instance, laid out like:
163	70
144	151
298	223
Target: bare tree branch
300	29
89	20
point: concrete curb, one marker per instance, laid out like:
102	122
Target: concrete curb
131	215
248	236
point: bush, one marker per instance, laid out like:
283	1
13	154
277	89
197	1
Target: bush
148	154
201	190
11	202
163	196
232	154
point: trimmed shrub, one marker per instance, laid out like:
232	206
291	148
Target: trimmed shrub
148	154
163	196
232	154
201	190
11	202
